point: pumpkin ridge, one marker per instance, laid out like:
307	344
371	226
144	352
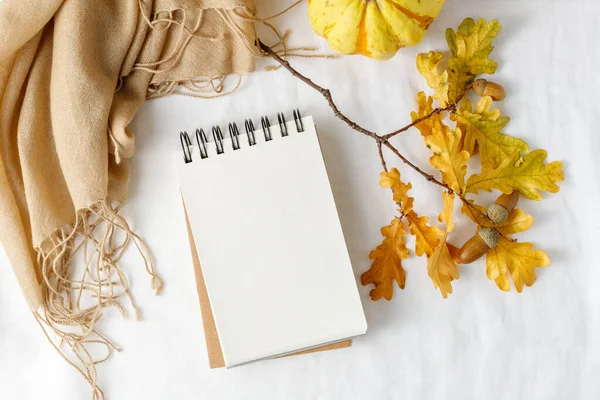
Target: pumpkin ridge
389	23
423	20
361	43
374	28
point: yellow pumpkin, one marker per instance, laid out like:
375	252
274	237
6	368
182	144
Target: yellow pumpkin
374	28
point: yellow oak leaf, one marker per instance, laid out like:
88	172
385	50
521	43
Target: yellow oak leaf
458	79
427	237
471	46
467	141
387	266
441	268
446	215
425	108
517	258
447	156
528	176
484	126
516	222
428	66
400	189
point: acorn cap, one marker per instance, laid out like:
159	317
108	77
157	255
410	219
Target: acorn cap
490	236
479	86
497	213
485	88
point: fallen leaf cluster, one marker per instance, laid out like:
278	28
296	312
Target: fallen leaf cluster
507	165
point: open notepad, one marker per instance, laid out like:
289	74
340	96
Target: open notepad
269	241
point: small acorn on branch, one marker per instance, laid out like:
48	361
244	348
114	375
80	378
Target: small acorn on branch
487	238
482	87
498	212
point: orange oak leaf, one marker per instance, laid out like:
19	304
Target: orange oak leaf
400	189
425	108
427	237
387	266
446	215
447	156
442	268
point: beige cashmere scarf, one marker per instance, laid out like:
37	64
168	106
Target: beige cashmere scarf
72	75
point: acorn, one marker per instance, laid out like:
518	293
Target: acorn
487	237
498	212
482	87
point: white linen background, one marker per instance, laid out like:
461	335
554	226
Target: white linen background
480	343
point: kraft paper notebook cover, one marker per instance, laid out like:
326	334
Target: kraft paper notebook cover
268	238
213	346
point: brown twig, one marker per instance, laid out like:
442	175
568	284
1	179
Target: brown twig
382	140
380	150
324	92
427	176
450	107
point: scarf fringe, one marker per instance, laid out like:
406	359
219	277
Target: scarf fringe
72	306
212	87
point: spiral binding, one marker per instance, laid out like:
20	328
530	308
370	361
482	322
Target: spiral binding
282	124
266	127
250	132
185	144
202	140
234	134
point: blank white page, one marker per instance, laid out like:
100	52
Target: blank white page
270	245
